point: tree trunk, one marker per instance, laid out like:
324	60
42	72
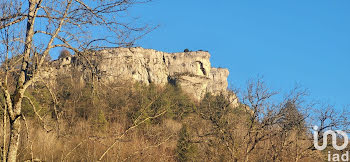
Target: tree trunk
15	111
14	139
15	114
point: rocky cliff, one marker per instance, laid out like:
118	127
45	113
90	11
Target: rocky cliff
191	70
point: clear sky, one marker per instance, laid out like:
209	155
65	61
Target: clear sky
286	41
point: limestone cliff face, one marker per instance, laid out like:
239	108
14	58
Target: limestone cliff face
191	70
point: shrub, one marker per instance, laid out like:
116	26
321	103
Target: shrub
100	122
64	53
186	151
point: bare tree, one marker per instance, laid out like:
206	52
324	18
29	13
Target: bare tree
31	29
283	128
263	115
275	124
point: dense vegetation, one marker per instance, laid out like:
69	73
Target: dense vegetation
75	120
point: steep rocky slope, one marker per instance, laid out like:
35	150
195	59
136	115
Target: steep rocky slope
191	70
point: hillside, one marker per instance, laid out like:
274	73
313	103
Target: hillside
135	104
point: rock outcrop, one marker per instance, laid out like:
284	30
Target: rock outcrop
191	70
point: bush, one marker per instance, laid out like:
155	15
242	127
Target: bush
100	122
64	53
153	100
40	98
186	151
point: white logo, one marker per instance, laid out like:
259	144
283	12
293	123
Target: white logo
334	139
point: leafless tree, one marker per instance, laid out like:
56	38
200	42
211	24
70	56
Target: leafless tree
283	127
271	121
257	99
31	29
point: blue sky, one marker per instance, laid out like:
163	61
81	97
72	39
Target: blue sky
286	41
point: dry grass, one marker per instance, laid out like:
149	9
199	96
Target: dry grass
83	143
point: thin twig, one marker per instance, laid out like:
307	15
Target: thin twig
28	137
129	129
73	150
36	113
153	146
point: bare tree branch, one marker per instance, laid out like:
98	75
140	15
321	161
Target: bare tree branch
126	131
